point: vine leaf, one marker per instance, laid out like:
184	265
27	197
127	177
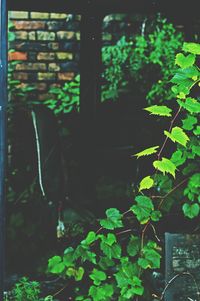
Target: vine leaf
190	104
185	61
146	183
156	215
165	166
109	246
150	257
133	247
98	276
178	135
56	265
143	209
113	219
159	110
189	122
191	210
192	48
147	152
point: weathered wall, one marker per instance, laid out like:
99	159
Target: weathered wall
47	47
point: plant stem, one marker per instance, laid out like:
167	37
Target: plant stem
166	139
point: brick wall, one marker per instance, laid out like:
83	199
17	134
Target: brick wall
47	47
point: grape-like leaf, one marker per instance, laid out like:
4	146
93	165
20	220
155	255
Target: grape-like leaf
177	135
159	110
192	48
191	210
113	220
190	104
146	183
189	122
147	151
185	61
56	265
165	166
133	247
143	209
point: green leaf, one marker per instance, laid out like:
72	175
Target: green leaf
197	130
79	274
133	246
190	104
91	237
113	221
101	293
185	61
165	166
159	110
143	208
147	151
156	215
68	257
146	183
178	135
56	265
192	48
105	262
144	263
189	122
178	158
83	252
98	276
191	210
109	246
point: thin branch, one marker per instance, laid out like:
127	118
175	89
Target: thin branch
166	139
172	190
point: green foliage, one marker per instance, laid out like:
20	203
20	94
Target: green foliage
177	135
26	290
147	151
65	99
159	110
165	166
136	59
146	183
113	267
113	220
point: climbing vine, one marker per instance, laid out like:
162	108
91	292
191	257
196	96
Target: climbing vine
111	262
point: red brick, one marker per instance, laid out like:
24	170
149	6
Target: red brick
17	56
66	76
29	25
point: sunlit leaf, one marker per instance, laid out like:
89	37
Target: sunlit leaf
192	48
177	135
147	151
159	110
185	61
165	166
146	183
